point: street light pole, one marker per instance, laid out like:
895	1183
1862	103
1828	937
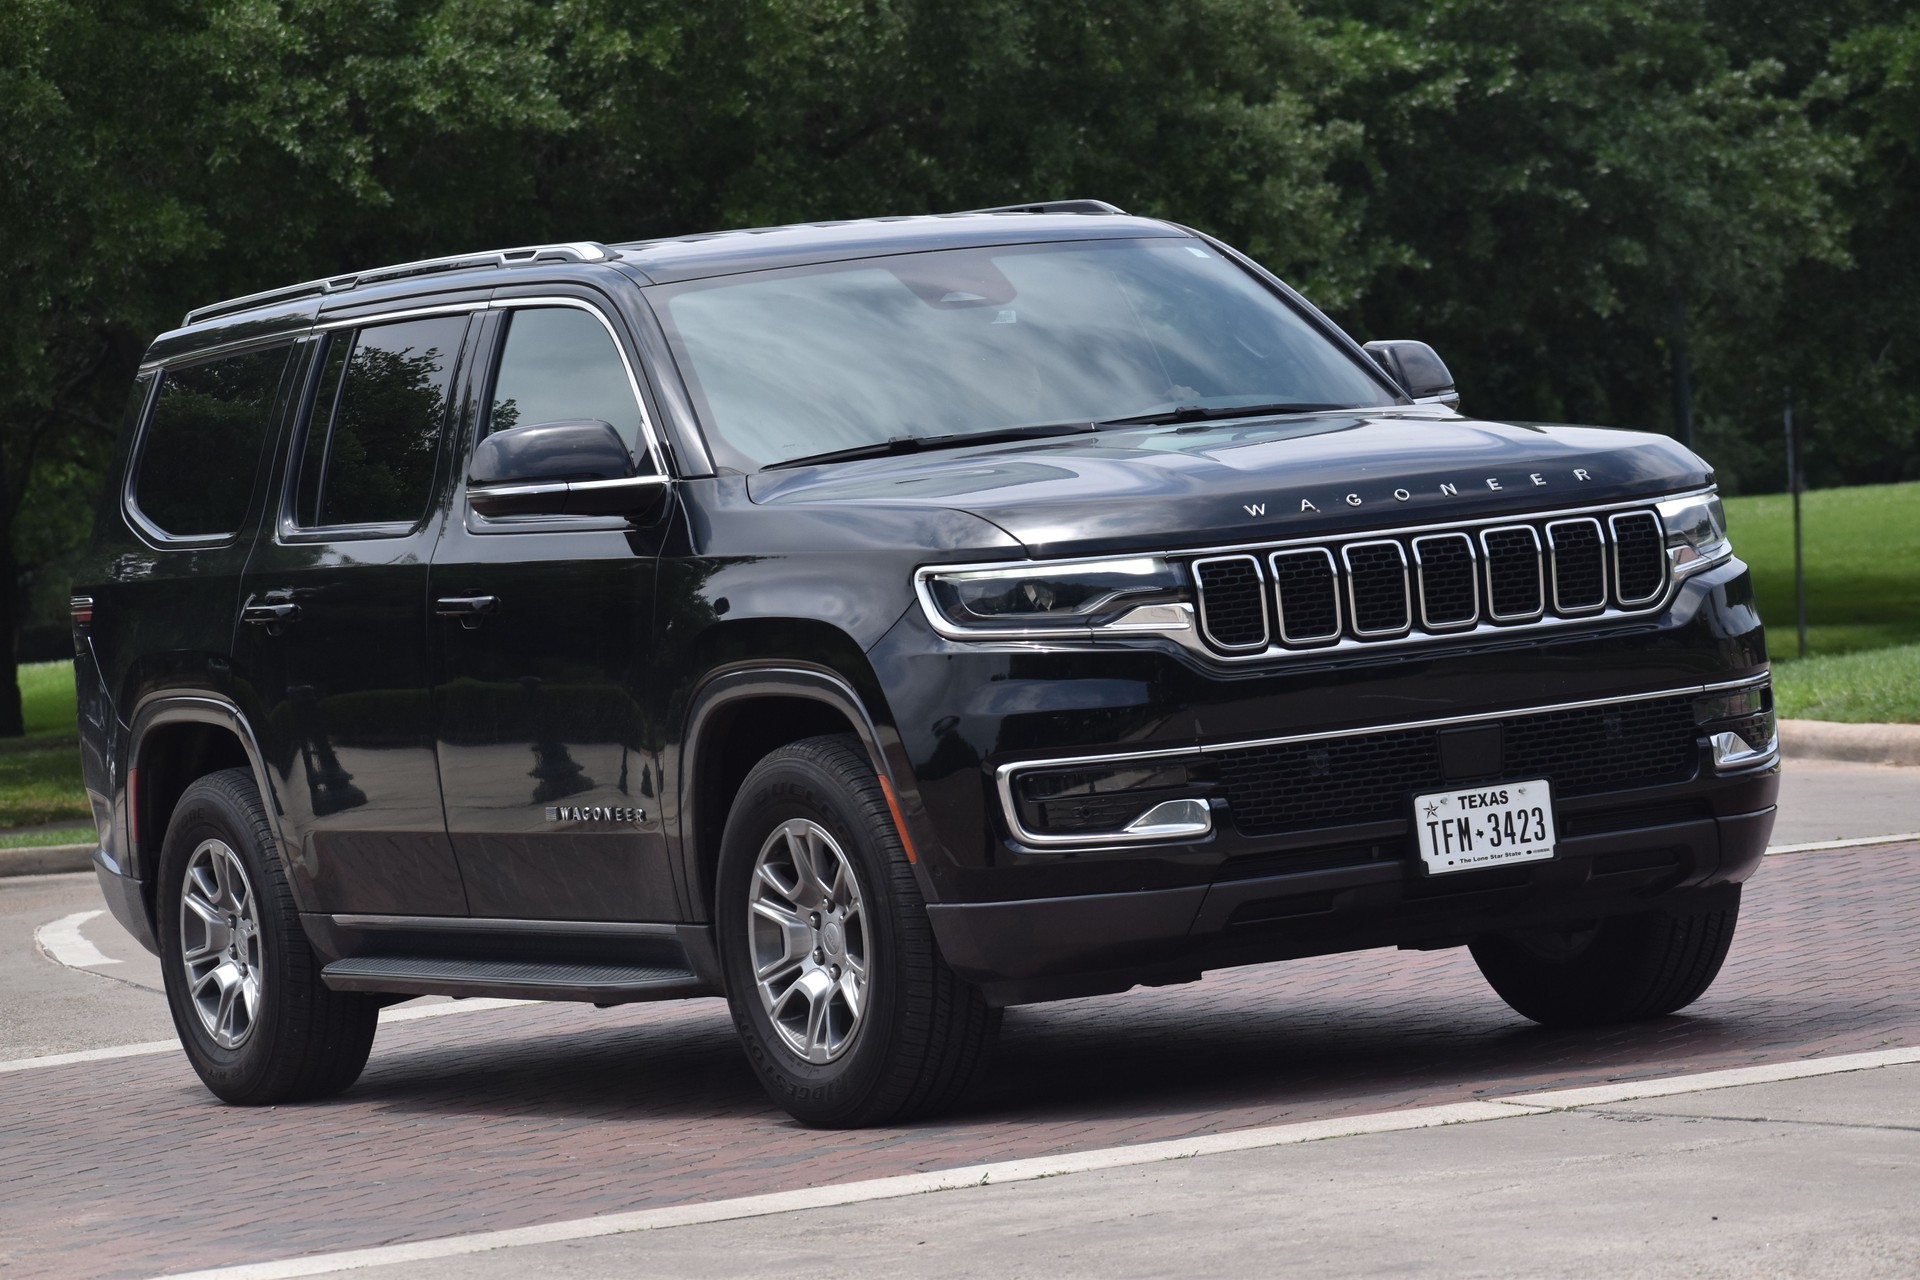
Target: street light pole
1795	482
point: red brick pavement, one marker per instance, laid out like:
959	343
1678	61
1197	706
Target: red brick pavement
520	1116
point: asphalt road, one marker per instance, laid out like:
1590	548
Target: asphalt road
508	1118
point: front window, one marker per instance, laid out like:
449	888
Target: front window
793	363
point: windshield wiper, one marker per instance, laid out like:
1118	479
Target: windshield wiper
1202	413
915	444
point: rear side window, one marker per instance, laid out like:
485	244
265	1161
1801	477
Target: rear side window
379	413
203	443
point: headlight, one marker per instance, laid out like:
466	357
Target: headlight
1055	596
1696	531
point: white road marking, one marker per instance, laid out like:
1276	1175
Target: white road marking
62	940
1042	1167
410	1014
1814	846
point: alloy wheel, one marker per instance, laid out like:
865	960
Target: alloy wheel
220	943
807	939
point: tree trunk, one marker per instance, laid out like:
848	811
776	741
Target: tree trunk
12	721
1682	375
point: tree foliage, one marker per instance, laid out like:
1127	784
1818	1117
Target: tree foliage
1566	199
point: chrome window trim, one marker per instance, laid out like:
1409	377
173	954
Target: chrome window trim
138	521
1005	774
1406	588
369	319
655	452
1200	600
1473	579
1539	574
1666	565
1333	586
288	529
1553	566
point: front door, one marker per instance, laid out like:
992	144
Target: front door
543	626
334	625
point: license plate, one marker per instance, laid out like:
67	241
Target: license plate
1476	827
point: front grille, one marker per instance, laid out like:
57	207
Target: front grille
1368	777
1428	582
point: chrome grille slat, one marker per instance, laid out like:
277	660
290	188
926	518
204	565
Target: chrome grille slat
1379	597
1578	552
1425	581
1516	584
1233	602
1306	585
1449	581
1639	558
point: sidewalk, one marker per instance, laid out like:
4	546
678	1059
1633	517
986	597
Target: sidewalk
1806	1177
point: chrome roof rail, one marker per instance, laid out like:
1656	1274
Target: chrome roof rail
1054	206
573	251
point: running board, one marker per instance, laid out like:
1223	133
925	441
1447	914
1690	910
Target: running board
514	979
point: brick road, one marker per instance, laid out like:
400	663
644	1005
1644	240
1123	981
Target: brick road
527	1115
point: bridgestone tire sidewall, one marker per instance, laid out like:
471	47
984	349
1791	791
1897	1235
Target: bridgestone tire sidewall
774	793
211	813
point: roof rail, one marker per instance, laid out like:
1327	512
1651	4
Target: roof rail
1054	206
574	251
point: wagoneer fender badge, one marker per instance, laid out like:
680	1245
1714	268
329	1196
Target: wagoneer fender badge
594	813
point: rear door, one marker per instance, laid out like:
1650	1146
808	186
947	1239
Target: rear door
544	628
334	622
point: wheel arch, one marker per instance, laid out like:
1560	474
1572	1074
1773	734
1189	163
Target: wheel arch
734	719
177	738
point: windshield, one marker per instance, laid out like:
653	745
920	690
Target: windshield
792	363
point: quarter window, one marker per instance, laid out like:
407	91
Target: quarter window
202	446
378	415
560	363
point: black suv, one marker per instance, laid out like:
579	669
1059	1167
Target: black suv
881	623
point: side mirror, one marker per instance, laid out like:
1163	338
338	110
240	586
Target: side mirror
1418	370
577	467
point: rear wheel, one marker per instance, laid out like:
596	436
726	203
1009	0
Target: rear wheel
1622	969
242	982
841	999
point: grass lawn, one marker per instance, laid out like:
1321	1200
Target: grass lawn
42	839
1871	686
1862	549
40	773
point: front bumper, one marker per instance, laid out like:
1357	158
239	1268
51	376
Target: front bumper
1052	948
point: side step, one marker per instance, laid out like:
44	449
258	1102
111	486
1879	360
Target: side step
517	979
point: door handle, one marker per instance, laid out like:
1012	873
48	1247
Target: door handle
269	613
469	609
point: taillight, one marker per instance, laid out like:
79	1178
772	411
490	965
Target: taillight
80	609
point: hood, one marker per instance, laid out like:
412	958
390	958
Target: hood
1225	482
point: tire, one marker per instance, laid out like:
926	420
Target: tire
858	1020
1623	969
255	1019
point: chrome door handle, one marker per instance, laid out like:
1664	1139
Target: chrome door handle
269	613
469	609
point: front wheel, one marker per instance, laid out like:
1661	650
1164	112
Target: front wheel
258	1024
842	1002
1622	969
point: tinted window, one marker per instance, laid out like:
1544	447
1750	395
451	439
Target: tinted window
378	414
203	443
560	363
801	361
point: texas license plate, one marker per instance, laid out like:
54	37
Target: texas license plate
1476	827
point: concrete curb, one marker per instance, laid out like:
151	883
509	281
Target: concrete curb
48	859
1897	744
